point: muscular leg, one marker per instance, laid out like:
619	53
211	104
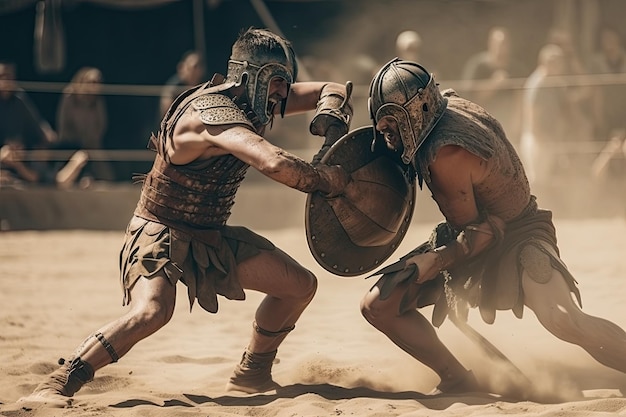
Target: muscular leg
152	307
414	334
289	288
555	309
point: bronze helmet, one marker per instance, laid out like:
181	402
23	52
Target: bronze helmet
258	56
406	91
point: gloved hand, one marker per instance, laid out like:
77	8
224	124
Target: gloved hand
334	108
333	180
428	265
404	270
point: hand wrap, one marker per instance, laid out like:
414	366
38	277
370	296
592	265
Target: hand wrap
333	180
334	108
473	239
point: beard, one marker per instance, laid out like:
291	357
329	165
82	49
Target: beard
271	105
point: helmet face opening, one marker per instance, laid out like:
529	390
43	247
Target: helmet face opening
403	122
256	67
406	91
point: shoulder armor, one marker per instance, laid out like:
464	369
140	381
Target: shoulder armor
464	124
217	109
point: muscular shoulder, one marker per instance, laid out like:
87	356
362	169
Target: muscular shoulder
217	109
454	164
200	131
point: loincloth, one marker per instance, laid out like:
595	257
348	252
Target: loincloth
205	261
492	280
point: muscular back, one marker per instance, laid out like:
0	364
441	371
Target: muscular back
470	166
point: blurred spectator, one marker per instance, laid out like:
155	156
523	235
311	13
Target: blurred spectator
573	64
14	171
552	119
19	118
610	104
609	112
20	129
82	123
409	47
50	134
190	72
581	93
488	74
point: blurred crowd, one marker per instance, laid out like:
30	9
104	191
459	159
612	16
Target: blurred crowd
33	153
566	116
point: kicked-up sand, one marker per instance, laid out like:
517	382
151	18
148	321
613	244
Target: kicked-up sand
60	286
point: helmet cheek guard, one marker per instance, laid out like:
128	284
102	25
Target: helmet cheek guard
257	81
256	66
405	127
260	94
406	91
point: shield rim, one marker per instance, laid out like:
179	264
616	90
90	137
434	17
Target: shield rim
359	251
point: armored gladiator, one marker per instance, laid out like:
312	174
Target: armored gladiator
496	249
208	139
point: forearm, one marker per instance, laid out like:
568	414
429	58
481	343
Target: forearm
300	175
25	172
292	171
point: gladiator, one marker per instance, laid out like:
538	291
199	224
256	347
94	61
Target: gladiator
179	232
495	250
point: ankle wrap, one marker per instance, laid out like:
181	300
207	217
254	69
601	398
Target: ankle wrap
269	333
251	360
109	348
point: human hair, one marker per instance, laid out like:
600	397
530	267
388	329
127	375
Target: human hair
189	53
83	80
262	43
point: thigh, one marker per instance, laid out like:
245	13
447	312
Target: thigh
156	292
275	273
548	299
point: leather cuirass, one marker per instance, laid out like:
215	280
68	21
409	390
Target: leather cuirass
199	194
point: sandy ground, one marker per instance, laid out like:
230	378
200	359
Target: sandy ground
58	287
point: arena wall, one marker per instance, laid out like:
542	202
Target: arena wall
260	204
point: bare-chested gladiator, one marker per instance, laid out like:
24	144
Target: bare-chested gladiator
208	139
496	249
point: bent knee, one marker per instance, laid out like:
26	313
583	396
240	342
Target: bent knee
308	286
376	311
305	286
151	316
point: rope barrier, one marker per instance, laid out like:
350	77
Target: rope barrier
586	80
110	155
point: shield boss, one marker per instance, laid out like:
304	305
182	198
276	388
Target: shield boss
356	232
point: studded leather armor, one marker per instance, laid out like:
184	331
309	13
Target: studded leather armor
199	194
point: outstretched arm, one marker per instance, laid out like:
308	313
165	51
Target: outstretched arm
194	140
